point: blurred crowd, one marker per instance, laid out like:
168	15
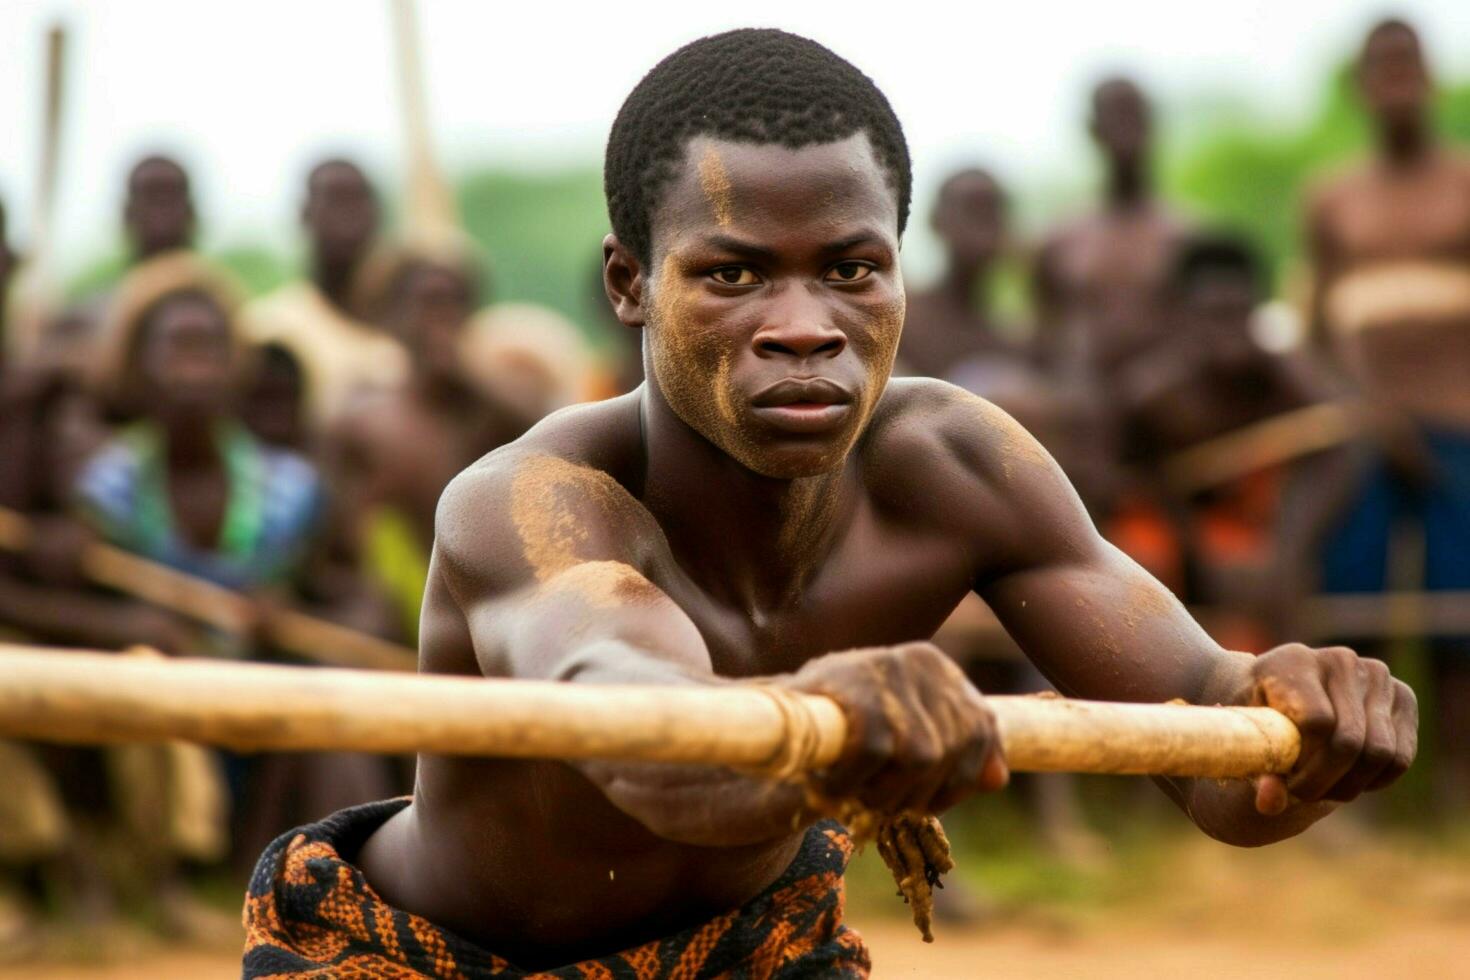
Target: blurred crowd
1292	467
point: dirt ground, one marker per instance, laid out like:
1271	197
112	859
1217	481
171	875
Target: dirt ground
1307	909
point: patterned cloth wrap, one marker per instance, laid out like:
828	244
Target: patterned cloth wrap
310	913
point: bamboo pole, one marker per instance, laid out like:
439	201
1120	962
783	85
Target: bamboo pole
1271	442
429	208
36	290
306	636
86	697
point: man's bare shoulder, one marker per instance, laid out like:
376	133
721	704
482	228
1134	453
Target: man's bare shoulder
532	506
932	440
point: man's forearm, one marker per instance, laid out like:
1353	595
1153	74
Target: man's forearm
688	804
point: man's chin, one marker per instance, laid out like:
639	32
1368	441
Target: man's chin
793	462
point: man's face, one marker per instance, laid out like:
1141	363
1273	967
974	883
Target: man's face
1392	76
185	357
341	213
774	302
970	217
159	214
1217	308
1120	120
72	430
430	312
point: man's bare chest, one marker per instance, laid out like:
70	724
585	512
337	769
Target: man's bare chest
1424	219
873	590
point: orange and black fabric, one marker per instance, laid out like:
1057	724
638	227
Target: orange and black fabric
309	913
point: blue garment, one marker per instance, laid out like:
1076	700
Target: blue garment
1355	555
274	509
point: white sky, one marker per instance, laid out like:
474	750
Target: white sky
249	93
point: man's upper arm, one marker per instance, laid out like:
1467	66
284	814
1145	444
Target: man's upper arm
1090	618
544	559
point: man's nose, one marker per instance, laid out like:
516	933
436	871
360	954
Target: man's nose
797	326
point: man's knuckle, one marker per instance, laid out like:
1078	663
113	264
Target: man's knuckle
1378	753
1316	720
1346	741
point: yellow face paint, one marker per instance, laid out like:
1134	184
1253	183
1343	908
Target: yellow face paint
714	180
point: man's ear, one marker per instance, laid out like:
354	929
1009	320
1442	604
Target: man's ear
623	280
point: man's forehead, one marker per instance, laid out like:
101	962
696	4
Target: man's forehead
728	185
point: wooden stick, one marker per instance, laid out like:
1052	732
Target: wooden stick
1276	440
84	697
36	291
306	636
429	208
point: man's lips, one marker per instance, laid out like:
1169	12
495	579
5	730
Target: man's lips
803	405
797	391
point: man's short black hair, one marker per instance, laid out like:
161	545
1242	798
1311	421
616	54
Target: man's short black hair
749	86
155	161
334	163
1213	254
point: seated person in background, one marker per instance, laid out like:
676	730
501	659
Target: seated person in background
951	322
272	404
1247	450
186	484
67	813
393	453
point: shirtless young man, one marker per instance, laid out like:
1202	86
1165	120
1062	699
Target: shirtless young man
1099	280
766	498
1390	245
950	322
341	356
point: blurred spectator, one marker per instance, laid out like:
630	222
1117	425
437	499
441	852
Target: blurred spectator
8	262
1098	280
951	321
340	355
158	217
395	452
187	485
1390	244
1247	534
65	810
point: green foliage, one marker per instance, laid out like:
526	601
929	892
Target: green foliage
1249	175
259	269
543	233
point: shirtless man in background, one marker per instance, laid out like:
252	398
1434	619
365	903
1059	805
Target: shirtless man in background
1390	245
1099	280
952	321
719	524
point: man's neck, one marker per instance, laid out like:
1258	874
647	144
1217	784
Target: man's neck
445	394
752	541
1128	184
189	441
1405	143
333	277
960	288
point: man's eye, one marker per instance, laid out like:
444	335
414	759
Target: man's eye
734	275
850	271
